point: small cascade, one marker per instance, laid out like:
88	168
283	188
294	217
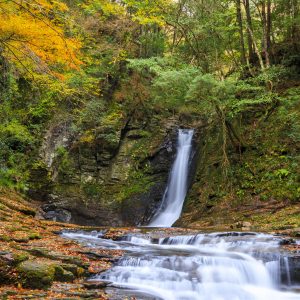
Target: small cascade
213	266
175	193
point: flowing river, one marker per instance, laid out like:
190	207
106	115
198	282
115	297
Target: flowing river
204	266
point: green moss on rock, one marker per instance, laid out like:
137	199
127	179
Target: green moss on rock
37	274
40	274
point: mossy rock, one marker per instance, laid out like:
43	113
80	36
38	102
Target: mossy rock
40	274
19	258
68	260
34	236
74	269
63	275
20	237
37	274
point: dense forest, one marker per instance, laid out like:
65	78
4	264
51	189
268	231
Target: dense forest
122	118
102	81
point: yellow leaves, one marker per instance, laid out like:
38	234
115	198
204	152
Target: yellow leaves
88	137
107	7
33	40
120	56
60	6
112	8
149	11
144	20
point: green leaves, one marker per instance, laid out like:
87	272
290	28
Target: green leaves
170	87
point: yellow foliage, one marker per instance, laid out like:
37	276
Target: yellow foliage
107	7
149	11
33	38
88	137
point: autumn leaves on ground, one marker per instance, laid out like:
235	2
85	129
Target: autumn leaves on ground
36	263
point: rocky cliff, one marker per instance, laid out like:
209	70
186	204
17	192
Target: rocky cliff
103	182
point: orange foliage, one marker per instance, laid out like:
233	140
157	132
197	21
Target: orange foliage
33	38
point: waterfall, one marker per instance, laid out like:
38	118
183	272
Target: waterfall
175	193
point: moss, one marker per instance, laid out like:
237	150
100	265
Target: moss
40	274
137	183
34	236
20	257
40	182
37	274
65	164
264	173
64	275
5	238
92	189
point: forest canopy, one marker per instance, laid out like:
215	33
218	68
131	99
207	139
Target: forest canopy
95	61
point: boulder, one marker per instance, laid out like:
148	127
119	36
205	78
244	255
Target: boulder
58	215
40	274
37	274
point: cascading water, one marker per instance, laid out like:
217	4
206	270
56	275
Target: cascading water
215	266
175	193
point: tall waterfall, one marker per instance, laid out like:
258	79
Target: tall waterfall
176	190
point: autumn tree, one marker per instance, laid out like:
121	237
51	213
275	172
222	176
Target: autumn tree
32	37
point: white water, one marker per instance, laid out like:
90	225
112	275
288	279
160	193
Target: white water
217	266
175	193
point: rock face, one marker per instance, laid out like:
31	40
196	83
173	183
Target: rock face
112	179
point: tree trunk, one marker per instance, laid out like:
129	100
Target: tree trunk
252	57
240	24
261	62
4	70
265	33
295	28
269	29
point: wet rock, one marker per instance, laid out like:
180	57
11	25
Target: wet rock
41	252
155	240
58	215
294	263
62	274
244	225
93	255
106	164
290	270
287	241
94	285
74	269
236	234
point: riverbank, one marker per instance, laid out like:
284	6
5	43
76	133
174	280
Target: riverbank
37	263
267	217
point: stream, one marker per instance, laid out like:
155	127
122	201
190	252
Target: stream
203	266
200	266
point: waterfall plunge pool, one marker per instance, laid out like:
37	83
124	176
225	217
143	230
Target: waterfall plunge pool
203	266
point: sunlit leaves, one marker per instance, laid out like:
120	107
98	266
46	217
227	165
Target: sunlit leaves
106	7
32	36
148	11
